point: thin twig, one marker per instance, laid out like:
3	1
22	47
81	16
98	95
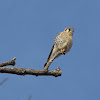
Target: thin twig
30	97
3	81
11	62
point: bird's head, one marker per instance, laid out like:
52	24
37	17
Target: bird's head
69	29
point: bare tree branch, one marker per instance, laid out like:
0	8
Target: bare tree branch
3	81
11	62
22	71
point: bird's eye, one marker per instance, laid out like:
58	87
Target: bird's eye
68	30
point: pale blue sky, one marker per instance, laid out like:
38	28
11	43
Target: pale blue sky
27	30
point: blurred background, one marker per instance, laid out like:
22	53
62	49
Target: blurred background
27	31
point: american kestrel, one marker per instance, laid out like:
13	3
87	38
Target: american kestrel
61	45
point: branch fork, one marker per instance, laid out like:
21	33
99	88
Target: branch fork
22	71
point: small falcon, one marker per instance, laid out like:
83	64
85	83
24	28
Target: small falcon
61	45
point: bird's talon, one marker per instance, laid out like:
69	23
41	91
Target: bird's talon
62	51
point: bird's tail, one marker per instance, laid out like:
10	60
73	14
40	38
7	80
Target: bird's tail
50	60
47	64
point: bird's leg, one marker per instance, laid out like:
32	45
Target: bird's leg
62	51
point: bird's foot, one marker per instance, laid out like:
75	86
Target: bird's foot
62	51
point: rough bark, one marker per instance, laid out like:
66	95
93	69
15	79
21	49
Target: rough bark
11	62
23	71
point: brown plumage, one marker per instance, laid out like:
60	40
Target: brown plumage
61	45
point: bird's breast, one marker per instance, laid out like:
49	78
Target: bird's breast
68	45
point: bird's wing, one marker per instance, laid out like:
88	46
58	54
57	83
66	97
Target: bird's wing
54	51
54	47
49	55
50	52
